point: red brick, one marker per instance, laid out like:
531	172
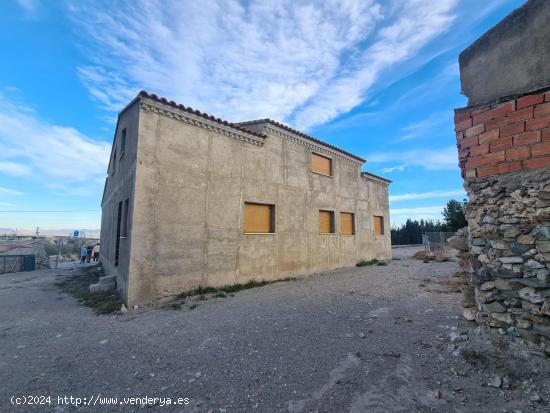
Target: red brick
501	144
492	135
485	159
536	163
506	167
463	153
462	125
482	117
461	115
541	149
480	110
529	101
547	97
495	123
459	136
479	150
546	135
538	123
518	115
467	142
512	129
476	130
542	110
521	152
487	170
504	109
527	138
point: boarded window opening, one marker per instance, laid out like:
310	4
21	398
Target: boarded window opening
259	218
378	225
321	164
326	222
347	223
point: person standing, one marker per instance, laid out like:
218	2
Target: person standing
89	251
95	252
83	254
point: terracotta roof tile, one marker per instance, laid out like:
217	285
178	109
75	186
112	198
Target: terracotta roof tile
303	135
196	112
376	176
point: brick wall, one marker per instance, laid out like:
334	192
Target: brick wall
504	137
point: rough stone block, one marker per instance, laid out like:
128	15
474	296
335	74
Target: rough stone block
518	248
94	288
494	307
543	246
511	260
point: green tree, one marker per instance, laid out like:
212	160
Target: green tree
454	215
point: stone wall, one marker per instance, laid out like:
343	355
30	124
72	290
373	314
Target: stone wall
509	229
503	141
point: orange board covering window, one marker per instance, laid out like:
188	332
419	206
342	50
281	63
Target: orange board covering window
326	222
258	218
321	164
347	224
378	225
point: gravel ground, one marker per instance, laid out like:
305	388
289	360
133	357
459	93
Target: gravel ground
369	339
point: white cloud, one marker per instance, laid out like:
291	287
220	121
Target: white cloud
9	191
399	168
30	7
296	61
438	122
426	195
14	168
399	215
57	156
430	159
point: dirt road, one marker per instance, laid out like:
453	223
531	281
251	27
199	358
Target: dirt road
370	339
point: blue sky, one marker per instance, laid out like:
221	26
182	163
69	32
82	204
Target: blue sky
377	78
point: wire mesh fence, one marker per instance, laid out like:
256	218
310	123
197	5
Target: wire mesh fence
434	242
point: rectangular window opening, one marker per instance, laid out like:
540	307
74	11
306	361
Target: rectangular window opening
259	218
117	243
122	142
347	223
124	232
326	222
321	164
114	161
378	225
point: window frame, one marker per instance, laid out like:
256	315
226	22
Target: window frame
353	232
383	231
325	157
272	212
332	222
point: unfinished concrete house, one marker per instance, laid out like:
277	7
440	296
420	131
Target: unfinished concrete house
191	200
504	149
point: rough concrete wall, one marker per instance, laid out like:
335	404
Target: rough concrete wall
191	185
512	58
119	187
509	225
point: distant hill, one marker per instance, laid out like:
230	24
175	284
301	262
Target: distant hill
90	233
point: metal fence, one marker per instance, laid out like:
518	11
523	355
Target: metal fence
16	263
435	241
